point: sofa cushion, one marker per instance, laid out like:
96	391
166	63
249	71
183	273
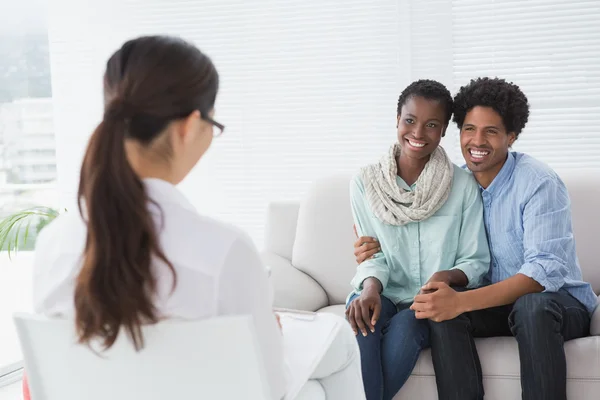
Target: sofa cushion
500	356
339	310
324	237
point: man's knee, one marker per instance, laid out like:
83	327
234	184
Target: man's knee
443	328
534	310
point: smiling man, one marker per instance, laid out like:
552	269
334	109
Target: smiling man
535	290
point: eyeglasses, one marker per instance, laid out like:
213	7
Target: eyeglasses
220	127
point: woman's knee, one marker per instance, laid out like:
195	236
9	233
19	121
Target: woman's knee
405	324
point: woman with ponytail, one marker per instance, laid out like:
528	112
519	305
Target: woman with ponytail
138	252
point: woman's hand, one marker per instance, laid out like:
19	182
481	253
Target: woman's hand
365	248
363	312
440	276
452	277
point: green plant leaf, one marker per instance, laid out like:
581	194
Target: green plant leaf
26	231
15	228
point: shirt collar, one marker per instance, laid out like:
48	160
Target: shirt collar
402	183
503	176
164	192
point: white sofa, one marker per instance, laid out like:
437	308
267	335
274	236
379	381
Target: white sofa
309	248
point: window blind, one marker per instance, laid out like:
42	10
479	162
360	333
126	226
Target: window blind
551	49
308	89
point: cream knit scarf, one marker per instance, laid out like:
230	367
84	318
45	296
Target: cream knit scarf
395	206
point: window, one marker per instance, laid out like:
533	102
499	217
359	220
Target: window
27	156
307	89
310	89
551	49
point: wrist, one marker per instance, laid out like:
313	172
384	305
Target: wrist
464	302
442	276
372	285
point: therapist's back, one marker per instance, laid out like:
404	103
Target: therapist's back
138	251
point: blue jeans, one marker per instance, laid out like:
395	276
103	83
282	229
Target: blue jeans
389	355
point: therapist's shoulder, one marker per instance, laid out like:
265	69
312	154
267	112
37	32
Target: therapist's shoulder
204	231
206	238
225	231
66	232
231	247
58	249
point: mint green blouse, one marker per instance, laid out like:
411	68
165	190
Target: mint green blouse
454	237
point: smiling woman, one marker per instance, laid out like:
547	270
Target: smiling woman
427	216
421	126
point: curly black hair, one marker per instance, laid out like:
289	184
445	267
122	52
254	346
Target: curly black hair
504	97
429	89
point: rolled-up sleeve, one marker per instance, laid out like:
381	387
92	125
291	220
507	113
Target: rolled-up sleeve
473	254
375	267
548	234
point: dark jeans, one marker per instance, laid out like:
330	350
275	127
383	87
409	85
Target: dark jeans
389	355
541	323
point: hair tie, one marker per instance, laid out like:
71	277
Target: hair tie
118	110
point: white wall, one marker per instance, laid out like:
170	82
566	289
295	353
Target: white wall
310	88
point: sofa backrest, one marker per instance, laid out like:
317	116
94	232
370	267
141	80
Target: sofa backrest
324	241
323	247
584	191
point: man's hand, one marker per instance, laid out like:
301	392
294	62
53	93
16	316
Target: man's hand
440	303
440	276
365	247
363	312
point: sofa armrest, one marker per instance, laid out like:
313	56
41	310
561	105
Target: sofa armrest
595	323
293	288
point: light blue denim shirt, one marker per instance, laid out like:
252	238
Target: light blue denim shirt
527	215
454	237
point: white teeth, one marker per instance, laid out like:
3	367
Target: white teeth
414	144
479	154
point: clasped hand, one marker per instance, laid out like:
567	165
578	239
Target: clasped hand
437	301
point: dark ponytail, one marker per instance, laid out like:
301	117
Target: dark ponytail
116	287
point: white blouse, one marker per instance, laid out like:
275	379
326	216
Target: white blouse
219	271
